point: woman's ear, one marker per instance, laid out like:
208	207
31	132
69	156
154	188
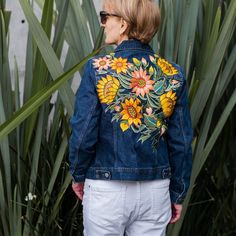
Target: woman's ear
124	26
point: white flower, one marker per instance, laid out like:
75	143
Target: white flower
144	61
149	111
30	197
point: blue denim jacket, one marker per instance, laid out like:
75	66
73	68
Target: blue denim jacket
131	120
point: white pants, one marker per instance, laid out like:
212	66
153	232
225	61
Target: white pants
130	208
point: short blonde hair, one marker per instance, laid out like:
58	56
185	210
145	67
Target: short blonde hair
142	16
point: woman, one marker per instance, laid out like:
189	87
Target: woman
130	148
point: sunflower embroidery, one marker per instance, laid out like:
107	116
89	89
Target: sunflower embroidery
166	67
107	89
130	113
168	101
140	94
119	64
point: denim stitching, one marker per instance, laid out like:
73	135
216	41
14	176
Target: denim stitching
129	169
134	49
181	194
182	129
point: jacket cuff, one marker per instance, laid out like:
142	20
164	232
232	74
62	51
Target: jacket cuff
77	178
176	197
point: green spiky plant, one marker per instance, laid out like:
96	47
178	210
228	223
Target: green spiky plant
33	156
197	34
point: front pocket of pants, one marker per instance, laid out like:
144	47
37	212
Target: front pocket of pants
105	205
161	205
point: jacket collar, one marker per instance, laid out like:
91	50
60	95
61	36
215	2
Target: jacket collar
133	44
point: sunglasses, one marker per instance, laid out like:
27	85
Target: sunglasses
104	15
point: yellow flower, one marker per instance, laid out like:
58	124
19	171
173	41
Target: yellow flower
107	89
131	113
166	67
124	126
119	64
168	101
151	70
136	61
158	124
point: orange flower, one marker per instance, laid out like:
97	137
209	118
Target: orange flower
119	64
141	82
131	112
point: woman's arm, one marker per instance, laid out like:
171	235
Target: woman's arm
179	139
84	125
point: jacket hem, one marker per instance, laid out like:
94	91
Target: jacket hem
133	174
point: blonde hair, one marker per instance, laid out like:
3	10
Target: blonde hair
142	16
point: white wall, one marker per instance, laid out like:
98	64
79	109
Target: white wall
19	30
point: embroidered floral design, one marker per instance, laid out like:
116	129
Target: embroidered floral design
168	101
149	111
119	64
158	124
140	94
131	113
107	89
102	63
166	67
141	82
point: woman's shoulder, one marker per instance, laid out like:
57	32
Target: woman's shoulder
150	64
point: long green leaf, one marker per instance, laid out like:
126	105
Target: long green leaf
220	125
40	74
54	175
5	81
17	193
89	8
55	209
5	89
48	54
204	90
38	99
188	29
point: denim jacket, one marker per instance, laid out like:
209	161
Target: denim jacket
131	120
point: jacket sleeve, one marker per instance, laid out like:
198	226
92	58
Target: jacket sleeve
84	124
179	139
